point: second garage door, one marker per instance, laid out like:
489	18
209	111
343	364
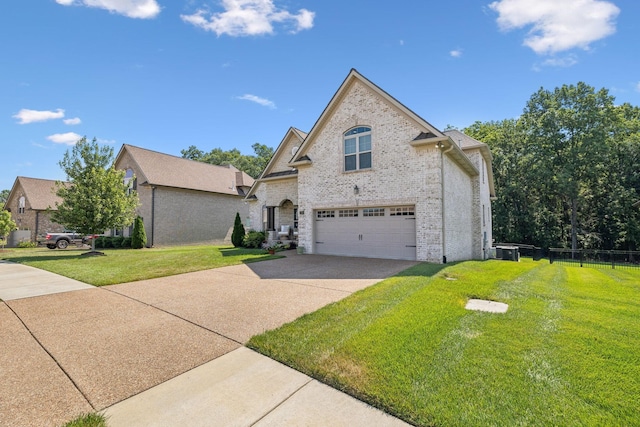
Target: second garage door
375	232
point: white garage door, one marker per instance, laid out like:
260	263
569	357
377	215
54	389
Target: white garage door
375	232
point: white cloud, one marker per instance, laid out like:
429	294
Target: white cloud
557	26
74	121
262	101
29	116
456	53
143	9
564	62
249	18
69	138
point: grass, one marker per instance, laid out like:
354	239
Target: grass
88	420
128	265
565	353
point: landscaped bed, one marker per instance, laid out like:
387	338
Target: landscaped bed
565	352
128	265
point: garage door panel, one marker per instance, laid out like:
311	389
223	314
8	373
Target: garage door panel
371	236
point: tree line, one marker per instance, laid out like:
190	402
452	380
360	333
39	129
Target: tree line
567	171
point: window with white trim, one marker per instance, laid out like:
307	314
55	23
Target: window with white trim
325	214
402	211
346	213
357	149
21	204
373	212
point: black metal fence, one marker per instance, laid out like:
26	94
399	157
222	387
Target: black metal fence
595	258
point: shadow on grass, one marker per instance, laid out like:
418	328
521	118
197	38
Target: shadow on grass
233	252
424	269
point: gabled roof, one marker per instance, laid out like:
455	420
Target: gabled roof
41	193
353	76
166	170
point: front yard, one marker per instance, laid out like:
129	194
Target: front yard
566	352
128	265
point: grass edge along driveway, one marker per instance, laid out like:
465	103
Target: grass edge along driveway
565	353
129	265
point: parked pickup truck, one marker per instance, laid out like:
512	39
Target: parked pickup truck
64	239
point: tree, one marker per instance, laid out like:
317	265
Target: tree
253	165
237	236
7	225
139	236
4	196
97	198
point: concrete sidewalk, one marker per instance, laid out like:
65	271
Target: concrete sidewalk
169	351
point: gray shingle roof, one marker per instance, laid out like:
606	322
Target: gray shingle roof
171	171
39	192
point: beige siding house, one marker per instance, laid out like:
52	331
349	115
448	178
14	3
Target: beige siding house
184	201
374	179
28	202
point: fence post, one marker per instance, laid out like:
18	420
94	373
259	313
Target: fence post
581	257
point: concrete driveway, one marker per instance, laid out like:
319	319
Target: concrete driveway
117	347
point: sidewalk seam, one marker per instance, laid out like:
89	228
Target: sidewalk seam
281	403
174	315
51	356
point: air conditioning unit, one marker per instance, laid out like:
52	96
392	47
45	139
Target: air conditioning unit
508	253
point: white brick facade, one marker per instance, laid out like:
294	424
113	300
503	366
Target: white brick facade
404	171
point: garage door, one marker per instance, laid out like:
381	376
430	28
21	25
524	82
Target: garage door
375	232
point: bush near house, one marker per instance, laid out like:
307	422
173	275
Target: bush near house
254	239
237	236
139	236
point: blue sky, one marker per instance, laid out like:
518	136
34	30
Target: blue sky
167	74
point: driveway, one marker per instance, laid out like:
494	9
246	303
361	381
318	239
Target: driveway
88	349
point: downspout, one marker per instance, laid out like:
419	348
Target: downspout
153	214
444	246
37	220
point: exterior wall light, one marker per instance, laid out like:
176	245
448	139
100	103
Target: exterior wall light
356	190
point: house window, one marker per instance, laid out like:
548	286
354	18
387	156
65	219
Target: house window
357	149
129	181
346	213
373	212
325	214
21	204
402	211
295	218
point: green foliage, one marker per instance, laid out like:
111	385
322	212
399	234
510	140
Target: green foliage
96	199
567	172
27	244
126	243
237	236
4	196
7	225
252	165
139	235
254	239
116	241
88	420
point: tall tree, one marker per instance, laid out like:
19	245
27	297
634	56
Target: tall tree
7	225
568	131
253	165
97	198
4	196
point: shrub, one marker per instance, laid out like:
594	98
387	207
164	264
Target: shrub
100	242
117	241
126	243
254	239
237	236
139	236
27	244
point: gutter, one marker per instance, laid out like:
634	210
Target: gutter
153	214
444	245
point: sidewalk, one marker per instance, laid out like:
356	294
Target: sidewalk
169	351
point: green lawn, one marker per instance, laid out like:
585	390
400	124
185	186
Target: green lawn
566	353
128	265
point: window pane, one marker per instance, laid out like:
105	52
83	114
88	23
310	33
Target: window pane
365	143
350	163
365	160
349	146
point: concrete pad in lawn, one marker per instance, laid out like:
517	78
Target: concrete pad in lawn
34	391
236	389
113	347
317	404
22	281
236	307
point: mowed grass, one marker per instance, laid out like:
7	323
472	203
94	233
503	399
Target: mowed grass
567	352
128	265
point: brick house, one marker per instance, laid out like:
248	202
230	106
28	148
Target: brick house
374	179
28	203
184	201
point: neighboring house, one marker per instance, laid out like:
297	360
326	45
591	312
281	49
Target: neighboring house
374	179
184	201
28	202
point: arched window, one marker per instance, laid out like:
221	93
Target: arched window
357	149
129	180
21	204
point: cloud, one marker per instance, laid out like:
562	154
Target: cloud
249	18
558	26
30	116
69	138
74	121
564	62
262	101
456	53
143	9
